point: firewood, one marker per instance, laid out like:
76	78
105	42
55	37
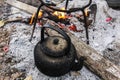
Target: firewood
22	6
96	62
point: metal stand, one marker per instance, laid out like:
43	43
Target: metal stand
67	11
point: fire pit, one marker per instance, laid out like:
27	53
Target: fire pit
101	34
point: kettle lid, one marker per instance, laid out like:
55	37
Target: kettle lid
54	46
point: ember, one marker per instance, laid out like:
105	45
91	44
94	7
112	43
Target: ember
108	19
6	48
73	28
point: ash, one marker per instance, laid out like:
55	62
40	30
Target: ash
102	35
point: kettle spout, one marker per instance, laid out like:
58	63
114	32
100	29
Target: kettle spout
79	64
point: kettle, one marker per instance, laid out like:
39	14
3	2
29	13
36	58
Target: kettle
56	55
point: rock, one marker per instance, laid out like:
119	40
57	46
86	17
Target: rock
1	59
74	73
1	24
1	2
28	78
1	77
2	44
14	70
1	54
1	67
8	60
16	75
7	78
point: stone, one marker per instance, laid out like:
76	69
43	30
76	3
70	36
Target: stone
2	44
1	77
75	73
15	75
28	78
1	1
7	78
1	54
1	67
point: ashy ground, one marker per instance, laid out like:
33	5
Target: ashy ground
16	52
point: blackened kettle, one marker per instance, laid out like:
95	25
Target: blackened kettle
56	55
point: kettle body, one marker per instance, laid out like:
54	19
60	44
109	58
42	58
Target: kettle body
56	55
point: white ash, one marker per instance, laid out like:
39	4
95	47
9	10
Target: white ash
22	49
101	34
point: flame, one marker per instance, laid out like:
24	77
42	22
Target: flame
33	16
31	20
61	15
40	14
86	12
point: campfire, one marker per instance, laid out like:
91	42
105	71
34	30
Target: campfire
60	16
76	20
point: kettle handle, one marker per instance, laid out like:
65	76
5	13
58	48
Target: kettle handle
60	31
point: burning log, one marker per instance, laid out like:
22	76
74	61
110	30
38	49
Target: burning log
56	19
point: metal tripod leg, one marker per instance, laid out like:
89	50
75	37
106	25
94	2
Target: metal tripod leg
66	5
86	27
36	18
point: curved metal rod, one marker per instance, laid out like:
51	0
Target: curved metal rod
36	18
